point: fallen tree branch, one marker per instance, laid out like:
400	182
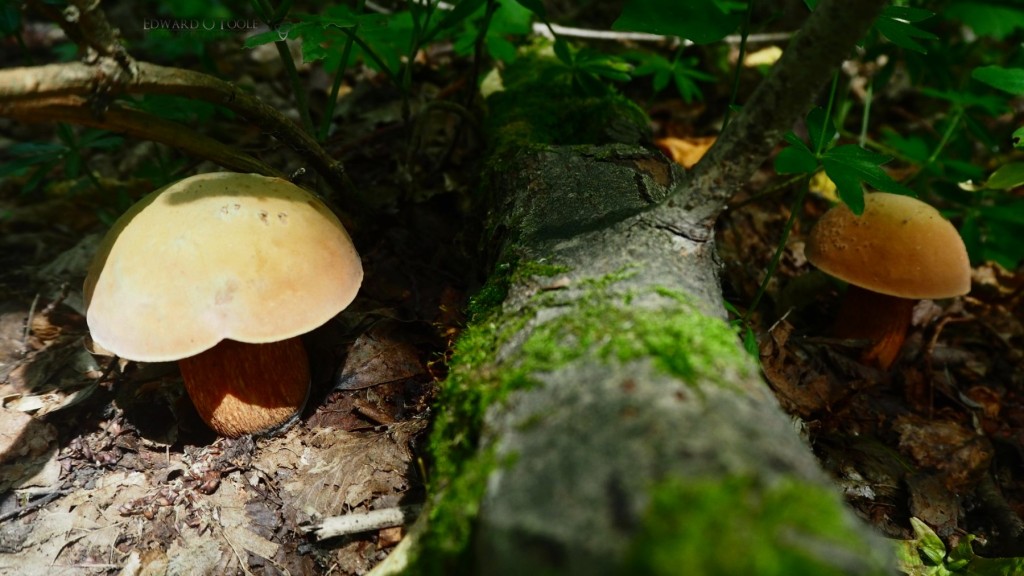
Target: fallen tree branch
117	118
106	78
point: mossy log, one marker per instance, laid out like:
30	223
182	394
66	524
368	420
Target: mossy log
600	416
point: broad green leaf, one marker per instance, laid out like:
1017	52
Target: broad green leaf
535	6
702	21
1009	80
895	23
912	147
20	165
993	105
1006	176
928	541
462	11
795	160
562	52
851	166
267	37
795	140
995	18
848	184
1018	138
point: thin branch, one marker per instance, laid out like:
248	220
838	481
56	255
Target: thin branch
811	59
107	77
364	522
117	118
541	29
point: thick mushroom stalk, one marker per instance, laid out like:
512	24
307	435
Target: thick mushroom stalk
240	388
879	319
898	251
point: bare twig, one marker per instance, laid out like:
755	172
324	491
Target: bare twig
541	29
356	523
35	505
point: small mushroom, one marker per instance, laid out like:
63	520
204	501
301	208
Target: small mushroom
898	251
222	272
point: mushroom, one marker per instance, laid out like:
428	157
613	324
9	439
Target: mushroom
898	251
222	272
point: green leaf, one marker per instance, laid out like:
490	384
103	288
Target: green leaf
993	105
702	21
1009	80
1006	177
563	53
604	65
851	166
928	541
912	147
995	18
462	11
895	23
535	6
267	37
795	160
10	18
1018	138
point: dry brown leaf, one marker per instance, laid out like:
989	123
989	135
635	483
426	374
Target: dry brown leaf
685	151
336	471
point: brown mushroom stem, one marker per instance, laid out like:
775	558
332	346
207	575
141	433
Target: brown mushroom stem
243	388
880	319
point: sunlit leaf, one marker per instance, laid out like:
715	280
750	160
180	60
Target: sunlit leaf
1009	80
1006	177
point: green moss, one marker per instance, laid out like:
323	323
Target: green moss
734	526
679	340
531	269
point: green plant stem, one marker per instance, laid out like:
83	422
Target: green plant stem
958	115
272	19
339	75
744	31
369	53
947	134
794	210
819	147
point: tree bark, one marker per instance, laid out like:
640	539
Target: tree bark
622	428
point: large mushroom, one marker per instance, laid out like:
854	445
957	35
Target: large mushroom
222	272
898	251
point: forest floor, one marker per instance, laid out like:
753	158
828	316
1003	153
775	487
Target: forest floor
106	468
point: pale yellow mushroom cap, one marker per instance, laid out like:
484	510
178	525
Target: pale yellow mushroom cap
899	246
218	256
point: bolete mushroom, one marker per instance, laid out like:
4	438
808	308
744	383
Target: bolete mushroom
898	251
222	272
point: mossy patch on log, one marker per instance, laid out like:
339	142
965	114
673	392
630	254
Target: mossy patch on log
594	320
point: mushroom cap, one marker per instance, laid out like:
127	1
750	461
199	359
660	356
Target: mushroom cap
899	246
218	256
